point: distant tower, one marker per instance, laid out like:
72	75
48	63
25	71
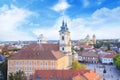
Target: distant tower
87	40
65	42
94	39
41	39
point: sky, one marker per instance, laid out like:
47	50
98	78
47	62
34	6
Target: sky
27	19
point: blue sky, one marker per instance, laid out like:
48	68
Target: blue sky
26	19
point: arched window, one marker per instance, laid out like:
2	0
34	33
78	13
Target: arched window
62	48
62	37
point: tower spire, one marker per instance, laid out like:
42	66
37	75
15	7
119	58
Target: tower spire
64	27
63	23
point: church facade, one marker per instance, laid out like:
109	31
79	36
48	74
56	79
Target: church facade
88	40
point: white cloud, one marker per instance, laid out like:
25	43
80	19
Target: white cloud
103	22
61	6
11	18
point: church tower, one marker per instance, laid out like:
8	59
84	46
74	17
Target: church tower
41	39
87	40
65	42
94	39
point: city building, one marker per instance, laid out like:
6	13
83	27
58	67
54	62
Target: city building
37	56
43	56
107	57
88	56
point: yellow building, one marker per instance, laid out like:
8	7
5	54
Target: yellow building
37	57
43	56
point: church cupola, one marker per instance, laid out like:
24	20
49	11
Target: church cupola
41	39
64	27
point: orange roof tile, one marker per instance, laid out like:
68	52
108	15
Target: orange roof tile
61	74
39	51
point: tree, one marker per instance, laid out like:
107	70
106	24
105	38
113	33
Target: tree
117	60
81	49
98	45
11	76
108	46
3	69
77	65
19	75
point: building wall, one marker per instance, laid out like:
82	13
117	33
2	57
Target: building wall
65	46
88	59
29	66
61	63
107	60
66	43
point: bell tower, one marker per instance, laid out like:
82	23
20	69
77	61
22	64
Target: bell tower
94	39
65	42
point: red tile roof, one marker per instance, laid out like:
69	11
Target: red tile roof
39	52
60	74
88	54
92	75
109	54
8	47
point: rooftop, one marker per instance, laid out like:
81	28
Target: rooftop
39	52
65	75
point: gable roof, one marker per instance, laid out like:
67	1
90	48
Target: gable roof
88	53
92	75
108	54
60	74
39	52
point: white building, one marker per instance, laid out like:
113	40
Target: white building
107	57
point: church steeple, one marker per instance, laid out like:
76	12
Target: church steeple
65	42
64	27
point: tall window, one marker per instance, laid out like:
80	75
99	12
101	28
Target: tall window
46	63
11	63
16	62
62	37
52	65
41	65
46	67
62	48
